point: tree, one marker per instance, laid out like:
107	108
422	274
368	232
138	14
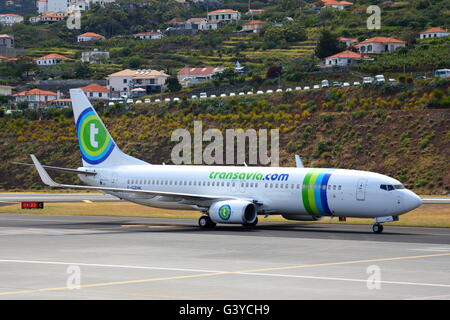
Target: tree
274	72
173	84
328	45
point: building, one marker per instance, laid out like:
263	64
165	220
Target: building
96	92
51	59
341	5
225	15
379	45
95	56
348	41
8	19
44	6
90	36
197	23
6	41
434	33
121	83
255	12
253	26
6	90
345	58
36	98
149	35
60	103
50	17
188	76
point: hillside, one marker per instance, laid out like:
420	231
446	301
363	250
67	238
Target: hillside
390	131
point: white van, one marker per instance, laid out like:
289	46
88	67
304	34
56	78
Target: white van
442	73
325	84
367	80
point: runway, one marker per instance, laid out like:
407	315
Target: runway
73	257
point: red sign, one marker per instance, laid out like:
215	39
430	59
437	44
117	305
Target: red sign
32	205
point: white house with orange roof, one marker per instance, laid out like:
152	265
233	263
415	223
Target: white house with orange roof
225	15
8	19
122	82
6	90
95	92
379	45
341	5
51	59
195	75
90	36
253	26
345	58
151	35
434	33
35	97
348	41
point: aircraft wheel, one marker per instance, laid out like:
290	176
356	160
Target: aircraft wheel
254	223
205	222
377	228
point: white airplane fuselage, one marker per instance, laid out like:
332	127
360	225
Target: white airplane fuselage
276	190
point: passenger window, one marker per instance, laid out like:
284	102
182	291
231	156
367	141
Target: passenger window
339	188
334	187
298	186
271	185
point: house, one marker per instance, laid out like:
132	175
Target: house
6	59
379	45
8	19
96	92
35	97
434	33
6	41
348	41
90	36
345	58
197	23
189	76
149	35
51	59
121	83
45	6
176	22
50	17
95	56
6	90
253	26
225	15
60	103
255	12
214	24
341	5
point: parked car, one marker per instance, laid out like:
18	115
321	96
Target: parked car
232	94
392	80
223	94
176	99
337	84
269	91
306	88
259	92
138	101
249	92
157	100
213	96
368	80
442	73
147	100
356	83
379	78
325	84
242	93
194	97
316	86
279	90
298	88
346	84
167	99
110	103
203	95
288	89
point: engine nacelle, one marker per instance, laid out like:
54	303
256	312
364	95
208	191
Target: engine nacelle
233	211
301	217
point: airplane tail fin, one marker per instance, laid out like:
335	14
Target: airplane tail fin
97	147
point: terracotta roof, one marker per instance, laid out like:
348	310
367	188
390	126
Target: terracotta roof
54	56
37	92
91	34
252	22
5	36
349	54
336	3
196	20
138	74
224	10
435	30
93	87
175	20
11	15
200	71
381	40
150	33
347	39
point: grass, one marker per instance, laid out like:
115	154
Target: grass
428	215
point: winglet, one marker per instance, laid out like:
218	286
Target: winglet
298	162
42	173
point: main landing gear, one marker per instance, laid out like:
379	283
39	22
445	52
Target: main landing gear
377	228
205	222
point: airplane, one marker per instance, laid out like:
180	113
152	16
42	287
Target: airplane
229	194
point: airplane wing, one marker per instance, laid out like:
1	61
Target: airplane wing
186	198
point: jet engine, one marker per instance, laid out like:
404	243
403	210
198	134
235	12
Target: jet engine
233	211
301	217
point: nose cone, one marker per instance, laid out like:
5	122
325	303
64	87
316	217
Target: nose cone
412	201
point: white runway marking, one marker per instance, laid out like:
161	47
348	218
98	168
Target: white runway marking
225	272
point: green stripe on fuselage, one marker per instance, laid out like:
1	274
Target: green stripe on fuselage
311	192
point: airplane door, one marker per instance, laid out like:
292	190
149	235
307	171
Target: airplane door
361	189
114	180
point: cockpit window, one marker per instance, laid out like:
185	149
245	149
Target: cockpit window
399	186
390	187
383	186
